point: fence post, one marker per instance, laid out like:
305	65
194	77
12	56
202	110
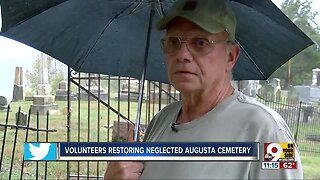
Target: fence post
69	116
4	136
298	123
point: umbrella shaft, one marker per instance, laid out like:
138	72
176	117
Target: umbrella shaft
141	88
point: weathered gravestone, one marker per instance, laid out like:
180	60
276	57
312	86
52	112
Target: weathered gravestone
3	107
120	131
129	90
21	118
93	86
248	87
166	94
62	91
308	94
3	103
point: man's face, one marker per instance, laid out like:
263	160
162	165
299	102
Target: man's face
191	72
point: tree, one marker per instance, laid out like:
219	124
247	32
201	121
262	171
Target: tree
302	64
56	74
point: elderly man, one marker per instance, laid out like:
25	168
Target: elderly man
200	54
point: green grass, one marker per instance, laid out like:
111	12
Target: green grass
311	164
305	130
83	130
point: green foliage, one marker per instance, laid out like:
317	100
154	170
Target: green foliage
303	63
56	74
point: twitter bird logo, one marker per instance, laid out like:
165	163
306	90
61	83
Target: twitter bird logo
40	151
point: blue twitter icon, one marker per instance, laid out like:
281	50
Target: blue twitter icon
40	151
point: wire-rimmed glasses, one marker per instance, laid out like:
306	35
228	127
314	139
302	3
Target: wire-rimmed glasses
196	45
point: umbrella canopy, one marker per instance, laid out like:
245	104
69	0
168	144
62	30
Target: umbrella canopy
112	37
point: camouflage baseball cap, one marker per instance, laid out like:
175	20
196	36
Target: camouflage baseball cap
213	16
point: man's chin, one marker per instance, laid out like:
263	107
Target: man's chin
185	87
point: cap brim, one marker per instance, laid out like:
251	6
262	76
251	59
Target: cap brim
163	23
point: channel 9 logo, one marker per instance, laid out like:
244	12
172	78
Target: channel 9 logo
279	156
279	152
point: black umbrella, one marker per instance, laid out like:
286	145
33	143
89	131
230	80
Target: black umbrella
118	37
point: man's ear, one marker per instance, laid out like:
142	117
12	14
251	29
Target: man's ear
233	55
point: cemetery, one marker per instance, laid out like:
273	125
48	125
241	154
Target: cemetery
84	118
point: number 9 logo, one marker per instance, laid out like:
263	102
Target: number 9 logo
275	150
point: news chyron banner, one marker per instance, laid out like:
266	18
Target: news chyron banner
279	156
141	151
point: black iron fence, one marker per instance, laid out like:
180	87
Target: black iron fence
96	108
302	118
92	108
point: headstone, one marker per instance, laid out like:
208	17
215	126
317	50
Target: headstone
249	87
3	103
303	93
42	104
62	91
93	85
167	94
96	92
18	85
43	101
315	94
285	93
63	85
120	131
21	118
129	90
308	94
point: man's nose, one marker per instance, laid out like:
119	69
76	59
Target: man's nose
183	53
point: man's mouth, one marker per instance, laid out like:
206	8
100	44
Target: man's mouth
184	72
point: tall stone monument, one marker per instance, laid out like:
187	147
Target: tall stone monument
43	100
18	85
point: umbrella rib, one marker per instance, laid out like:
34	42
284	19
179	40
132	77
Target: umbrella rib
136	6
104	29
251	60
135	10
161	7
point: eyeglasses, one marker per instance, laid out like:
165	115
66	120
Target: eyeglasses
196	45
